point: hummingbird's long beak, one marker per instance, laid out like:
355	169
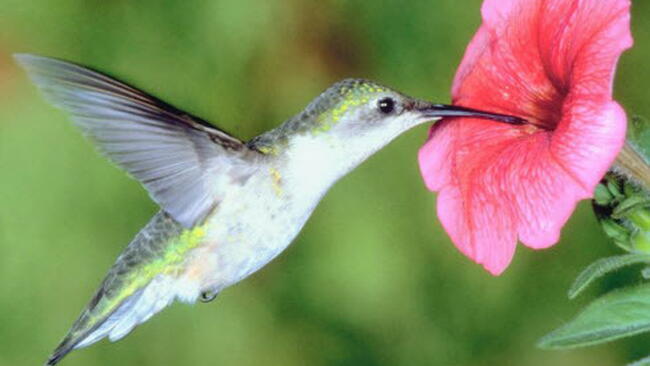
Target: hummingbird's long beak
443	110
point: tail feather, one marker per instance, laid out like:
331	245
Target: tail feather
132	311
144	280
105	328
75	340
155	297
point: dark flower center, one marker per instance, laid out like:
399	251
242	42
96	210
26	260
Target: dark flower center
545	112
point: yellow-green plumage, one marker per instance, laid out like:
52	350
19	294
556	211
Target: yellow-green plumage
161	248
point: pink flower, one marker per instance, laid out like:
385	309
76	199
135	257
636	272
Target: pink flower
551	62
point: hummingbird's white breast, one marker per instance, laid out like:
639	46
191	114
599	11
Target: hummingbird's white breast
256	221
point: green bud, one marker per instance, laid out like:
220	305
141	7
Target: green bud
602	195
615	231
640	241
629	189
614	188
630	206
641	219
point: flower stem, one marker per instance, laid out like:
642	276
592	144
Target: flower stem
632	164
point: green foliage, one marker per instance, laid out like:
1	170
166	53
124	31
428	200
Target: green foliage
618	314
602	267
623	210
642	362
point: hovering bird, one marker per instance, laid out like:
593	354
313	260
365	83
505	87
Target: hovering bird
228	207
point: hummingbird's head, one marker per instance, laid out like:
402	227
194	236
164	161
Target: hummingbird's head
349	122
371	115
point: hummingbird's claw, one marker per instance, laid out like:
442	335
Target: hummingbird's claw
208	296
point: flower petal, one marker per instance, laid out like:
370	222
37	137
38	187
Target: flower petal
552	62
485	226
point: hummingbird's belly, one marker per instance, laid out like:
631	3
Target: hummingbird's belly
249	228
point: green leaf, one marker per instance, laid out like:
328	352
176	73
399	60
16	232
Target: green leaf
646	273
642	362
618	314
640	242
603	266
616	231
630	204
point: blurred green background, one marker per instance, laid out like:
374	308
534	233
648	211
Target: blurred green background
372	280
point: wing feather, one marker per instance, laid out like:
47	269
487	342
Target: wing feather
172	153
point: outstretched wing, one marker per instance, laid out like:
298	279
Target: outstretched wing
184	162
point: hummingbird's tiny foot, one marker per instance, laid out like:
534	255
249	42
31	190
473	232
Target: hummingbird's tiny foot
208	296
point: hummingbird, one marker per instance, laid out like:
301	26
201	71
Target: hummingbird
227	207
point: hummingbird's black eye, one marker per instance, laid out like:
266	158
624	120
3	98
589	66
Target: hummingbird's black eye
386	105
